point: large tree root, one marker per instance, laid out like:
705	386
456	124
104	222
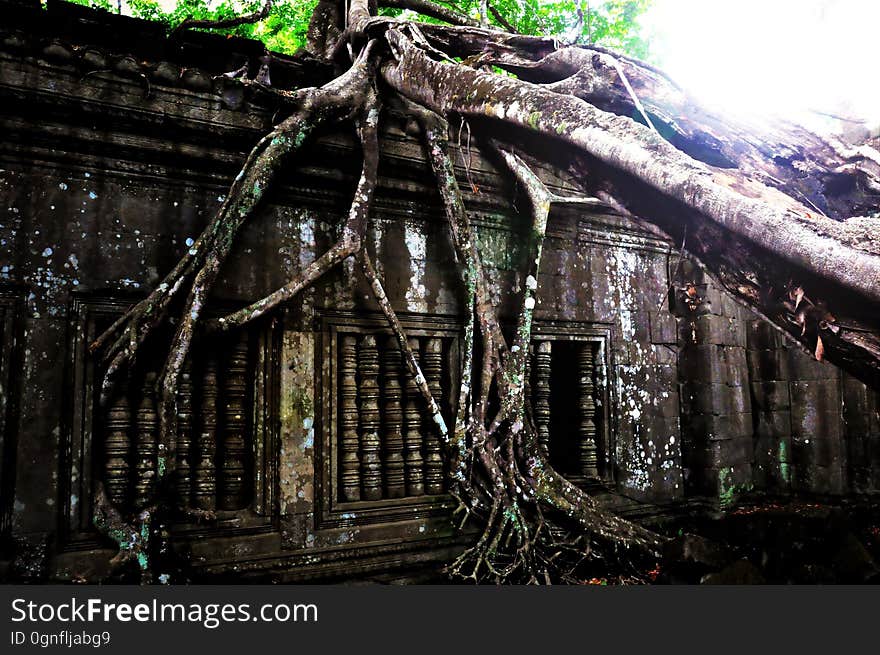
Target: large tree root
348	95
131	538
530	503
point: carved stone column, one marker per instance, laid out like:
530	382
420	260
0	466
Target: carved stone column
233	446
349	463
205	492
433	367
117	449
415	464
368	388
146	428
541	392
392	435
587	450
184	438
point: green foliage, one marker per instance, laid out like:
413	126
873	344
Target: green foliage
284	30
611	23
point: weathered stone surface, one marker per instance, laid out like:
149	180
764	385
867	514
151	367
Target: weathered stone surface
768	364
740	572
804	367
691	554
664	328
711	427
815	410
667	355
770	396
809	477
717	454
816	452
772	467
711	363
719	330
760	335
775	425
714	398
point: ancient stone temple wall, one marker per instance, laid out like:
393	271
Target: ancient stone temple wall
760	413
302	431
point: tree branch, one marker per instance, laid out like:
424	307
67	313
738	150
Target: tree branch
502	20
432	9
224	23
408	356
465	244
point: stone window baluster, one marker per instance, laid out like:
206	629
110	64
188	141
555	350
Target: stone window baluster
205	474
392	435
586	444
184	438
415	465
541	392
368	391
146	428
433	367
348	419
233	445
117	451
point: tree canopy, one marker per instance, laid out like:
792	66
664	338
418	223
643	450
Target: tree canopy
610	23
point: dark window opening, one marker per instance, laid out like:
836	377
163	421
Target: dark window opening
569	406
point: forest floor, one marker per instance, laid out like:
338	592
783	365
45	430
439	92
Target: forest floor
777	542
767	542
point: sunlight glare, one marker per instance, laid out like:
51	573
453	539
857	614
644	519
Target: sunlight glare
798	59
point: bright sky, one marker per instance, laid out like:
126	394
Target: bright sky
780	56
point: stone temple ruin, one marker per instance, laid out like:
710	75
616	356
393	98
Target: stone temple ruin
302	431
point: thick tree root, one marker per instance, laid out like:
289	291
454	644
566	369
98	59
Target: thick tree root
198	271
501	477
132	538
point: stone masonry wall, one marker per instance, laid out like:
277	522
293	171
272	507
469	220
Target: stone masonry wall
759	413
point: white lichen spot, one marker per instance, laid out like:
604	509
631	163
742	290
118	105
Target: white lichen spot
417	245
